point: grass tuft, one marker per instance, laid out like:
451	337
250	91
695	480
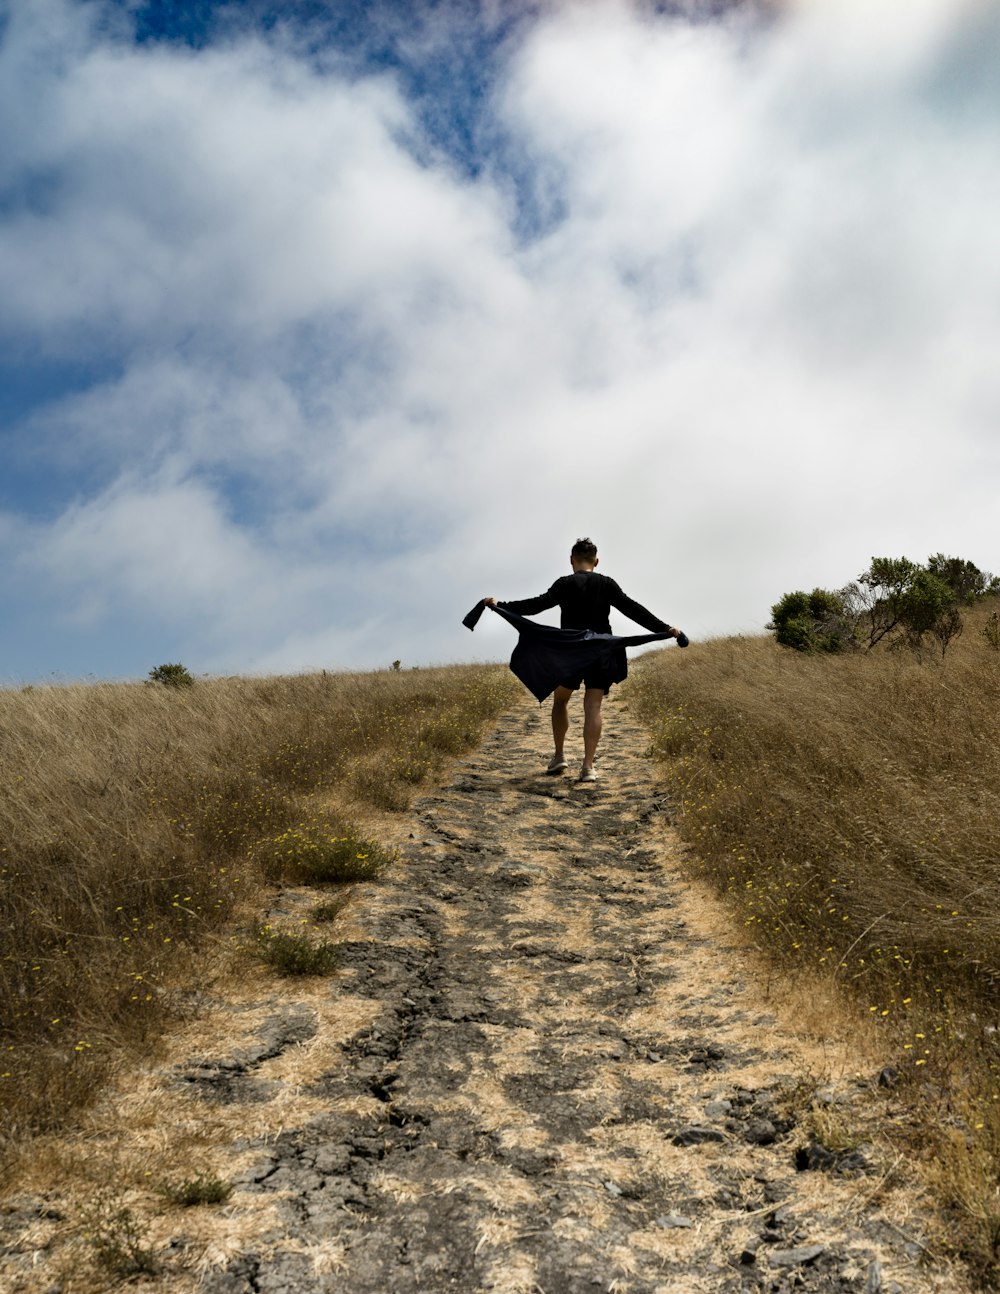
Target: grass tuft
116	1238
329	909
315	854
294	954
203	1188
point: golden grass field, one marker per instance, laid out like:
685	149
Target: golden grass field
847	808
134	816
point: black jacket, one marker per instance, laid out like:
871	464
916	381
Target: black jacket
545	656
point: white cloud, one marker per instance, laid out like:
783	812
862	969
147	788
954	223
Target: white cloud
757	347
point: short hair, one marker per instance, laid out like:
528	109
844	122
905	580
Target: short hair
585	550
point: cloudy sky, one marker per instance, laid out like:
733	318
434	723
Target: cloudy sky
316	327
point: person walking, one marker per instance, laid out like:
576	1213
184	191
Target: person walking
585	599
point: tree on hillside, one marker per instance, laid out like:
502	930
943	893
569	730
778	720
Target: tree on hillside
895	601
965	579
881	600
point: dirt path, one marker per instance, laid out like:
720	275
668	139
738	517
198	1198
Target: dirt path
538	1069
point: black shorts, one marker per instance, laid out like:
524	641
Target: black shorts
599	675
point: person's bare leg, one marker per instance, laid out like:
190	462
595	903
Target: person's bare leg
560	719
592	724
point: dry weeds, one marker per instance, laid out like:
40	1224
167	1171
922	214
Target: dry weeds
133	817
847	809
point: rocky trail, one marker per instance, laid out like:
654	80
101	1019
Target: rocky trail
541	1066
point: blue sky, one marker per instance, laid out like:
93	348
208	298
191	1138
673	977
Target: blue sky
318	321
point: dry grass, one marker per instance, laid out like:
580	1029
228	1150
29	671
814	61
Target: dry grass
847	808
133	816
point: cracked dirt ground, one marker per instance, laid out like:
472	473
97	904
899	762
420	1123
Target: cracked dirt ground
542	1066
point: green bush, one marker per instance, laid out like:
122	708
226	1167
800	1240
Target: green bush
811	622
894	601
295	954
171	676
319	853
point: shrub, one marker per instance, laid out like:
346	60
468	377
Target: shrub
811	622
315	854
171	676
296	954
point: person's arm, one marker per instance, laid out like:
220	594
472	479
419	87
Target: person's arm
531	606
637	612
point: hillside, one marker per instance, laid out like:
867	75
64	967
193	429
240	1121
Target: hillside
136	819
543	1061
173	857
846	809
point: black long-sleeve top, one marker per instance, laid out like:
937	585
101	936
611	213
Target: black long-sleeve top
585	599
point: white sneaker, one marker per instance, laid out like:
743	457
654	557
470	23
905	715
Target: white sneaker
557	764
587	774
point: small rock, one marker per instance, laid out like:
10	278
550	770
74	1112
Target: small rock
760	1132
695	1136
888	1077
749	1254
814	1158
873	1284
817	1158
673	1220
717	1109
795	1257
368	1147
612	1189
332	1159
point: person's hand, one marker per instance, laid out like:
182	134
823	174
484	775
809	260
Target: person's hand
489	602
